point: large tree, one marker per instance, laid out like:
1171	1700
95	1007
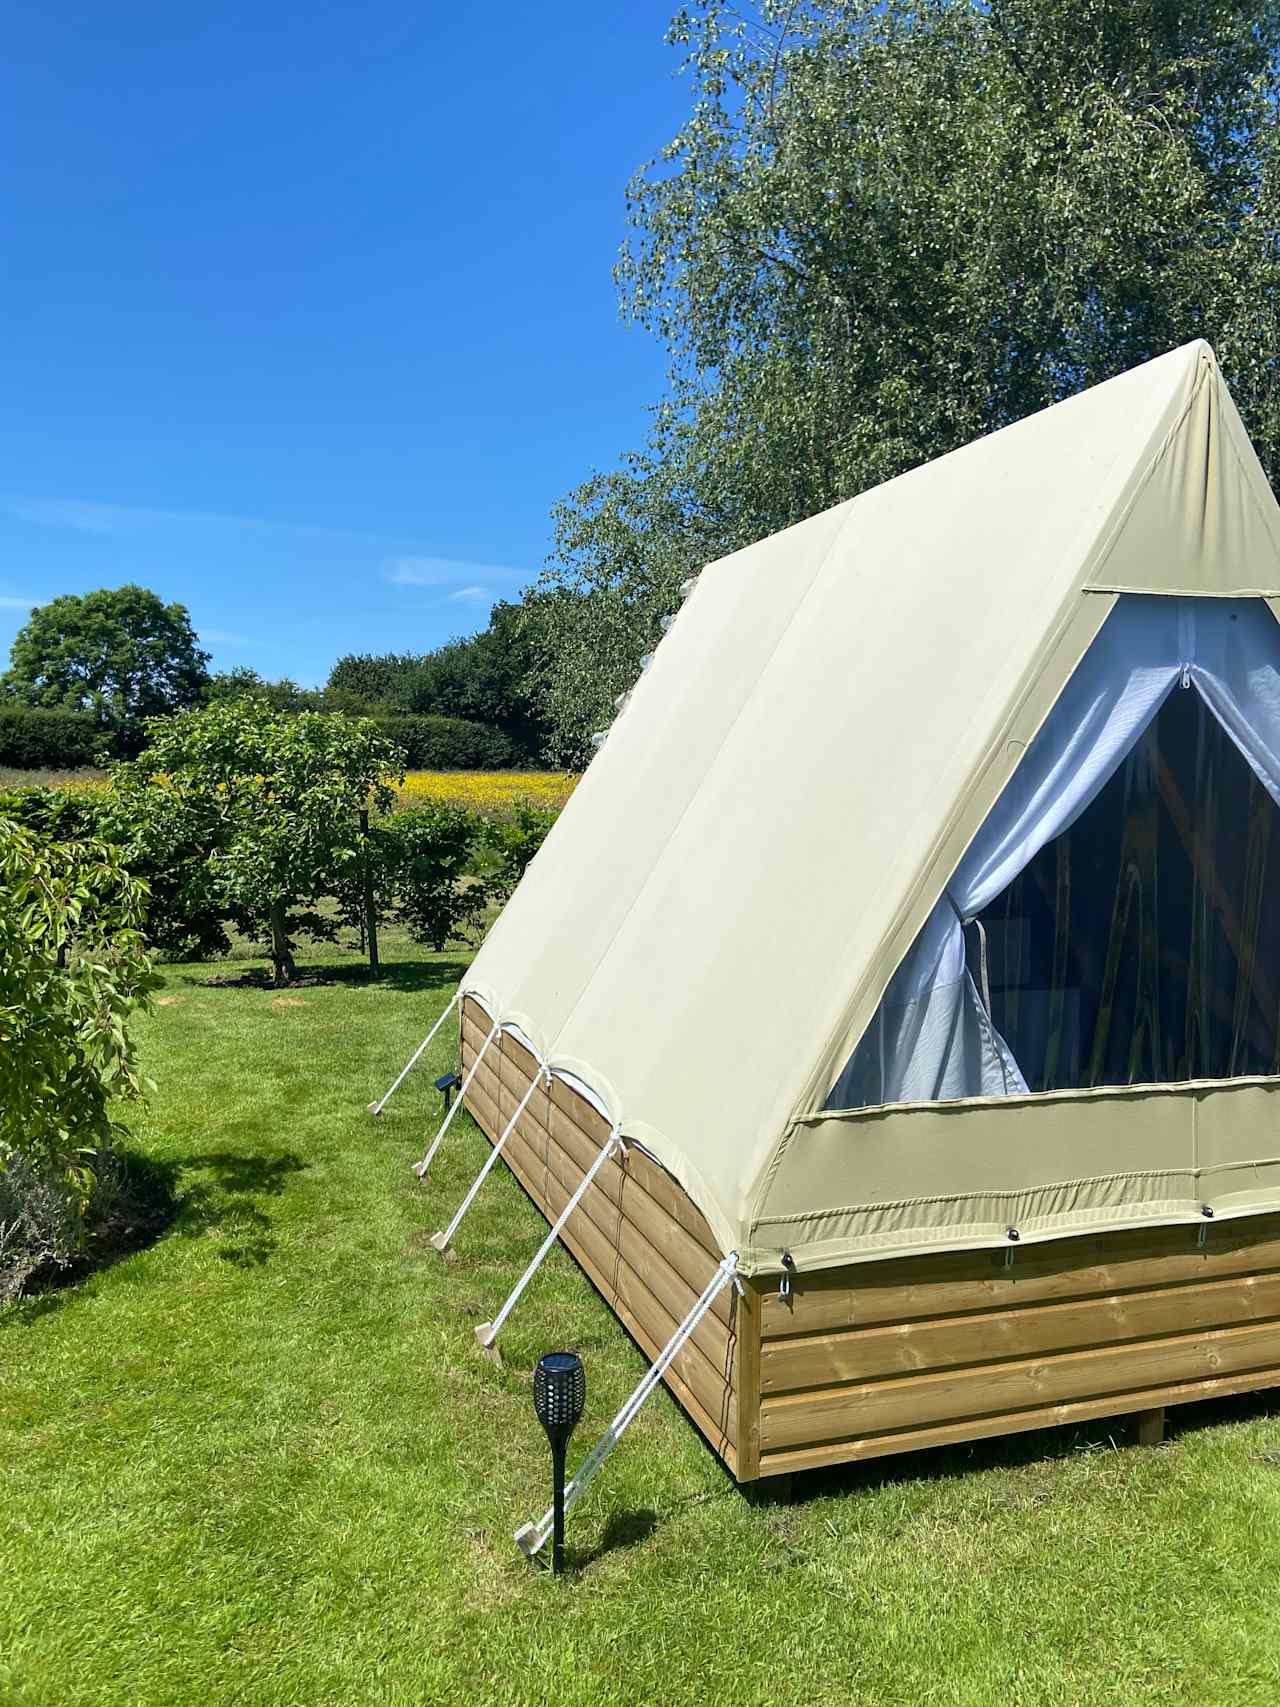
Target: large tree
119	653
889	226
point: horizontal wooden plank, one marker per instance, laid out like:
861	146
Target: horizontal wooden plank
583	1130
952	1395
1076	1411
704	1391
865	1354
624	1183
637	1247
908	1288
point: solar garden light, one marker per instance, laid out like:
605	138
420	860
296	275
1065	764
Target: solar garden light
446	1084
559	1395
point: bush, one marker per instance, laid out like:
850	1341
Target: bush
157	845
448	743
72	969
31	739
427	857
515	840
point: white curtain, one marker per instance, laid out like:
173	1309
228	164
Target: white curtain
931	1038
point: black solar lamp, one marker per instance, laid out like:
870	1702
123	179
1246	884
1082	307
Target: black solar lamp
559	1395
445	1085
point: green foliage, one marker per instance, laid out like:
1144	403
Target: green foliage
273	800
428	854
513	841
159	842
119	654
245	683
73	968
886	229
447	743
32	739
488	678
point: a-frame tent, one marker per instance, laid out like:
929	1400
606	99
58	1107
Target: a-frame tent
762	845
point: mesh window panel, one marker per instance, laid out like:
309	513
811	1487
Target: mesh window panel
1143	945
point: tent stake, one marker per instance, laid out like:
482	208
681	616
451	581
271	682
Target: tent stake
420	1168
442	1241
488	1332
377	1107
533	1536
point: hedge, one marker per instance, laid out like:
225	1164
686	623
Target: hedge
31	739
448	743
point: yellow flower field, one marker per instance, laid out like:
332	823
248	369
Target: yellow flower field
491	792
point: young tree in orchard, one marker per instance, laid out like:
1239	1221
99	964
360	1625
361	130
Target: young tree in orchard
890	226
279	801
119	653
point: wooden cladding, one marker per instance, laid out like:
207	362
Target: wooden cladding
884	1357
637	1235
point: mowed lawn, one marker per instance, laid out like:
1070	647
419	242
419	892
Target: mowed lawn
263	1462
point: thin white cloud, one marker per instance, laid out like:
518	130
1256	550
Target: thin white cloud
227	637
473	595
9	602
85	515
444	571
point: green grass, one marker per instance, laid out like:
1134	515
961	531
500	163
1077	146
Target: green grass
263	1463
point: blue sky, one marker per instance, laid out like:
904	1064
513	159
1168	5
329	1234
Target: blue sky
308	315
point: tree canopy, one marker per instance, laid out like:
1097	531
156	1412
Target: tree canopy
890	226
274	799
119	653
489	678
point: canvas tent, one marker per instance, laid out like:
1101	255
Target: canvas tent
745	938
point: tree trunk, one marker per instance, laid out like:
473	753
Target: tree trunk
369	923
281	949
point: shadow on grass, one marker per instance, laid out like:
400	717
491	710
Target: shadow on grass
624	1529
403	976
228	1201
157	1200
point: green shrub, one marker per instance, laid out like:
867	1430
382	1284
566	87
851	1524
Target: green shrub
159	845
426	865
515	840
448	743
73	967
32	739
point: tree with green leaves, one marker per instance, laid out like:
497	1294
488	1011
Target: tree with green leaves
488	678
276	799
119	653
243	682
890	226
73	969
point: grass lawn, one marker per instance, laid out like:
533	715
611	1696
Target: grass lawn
263	1463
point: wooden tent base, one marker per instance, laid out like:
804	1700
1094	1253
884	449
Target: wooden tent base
886	1357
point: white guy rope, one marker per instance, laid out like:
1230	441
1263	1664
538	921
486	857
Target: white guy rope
487	1332
534	1535
442	1241
411	1063
420	1168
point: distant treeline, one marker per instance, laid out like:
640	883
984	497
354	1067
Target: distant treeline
89	670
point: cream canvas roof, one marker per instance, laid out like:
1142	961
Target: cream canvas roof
709	926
